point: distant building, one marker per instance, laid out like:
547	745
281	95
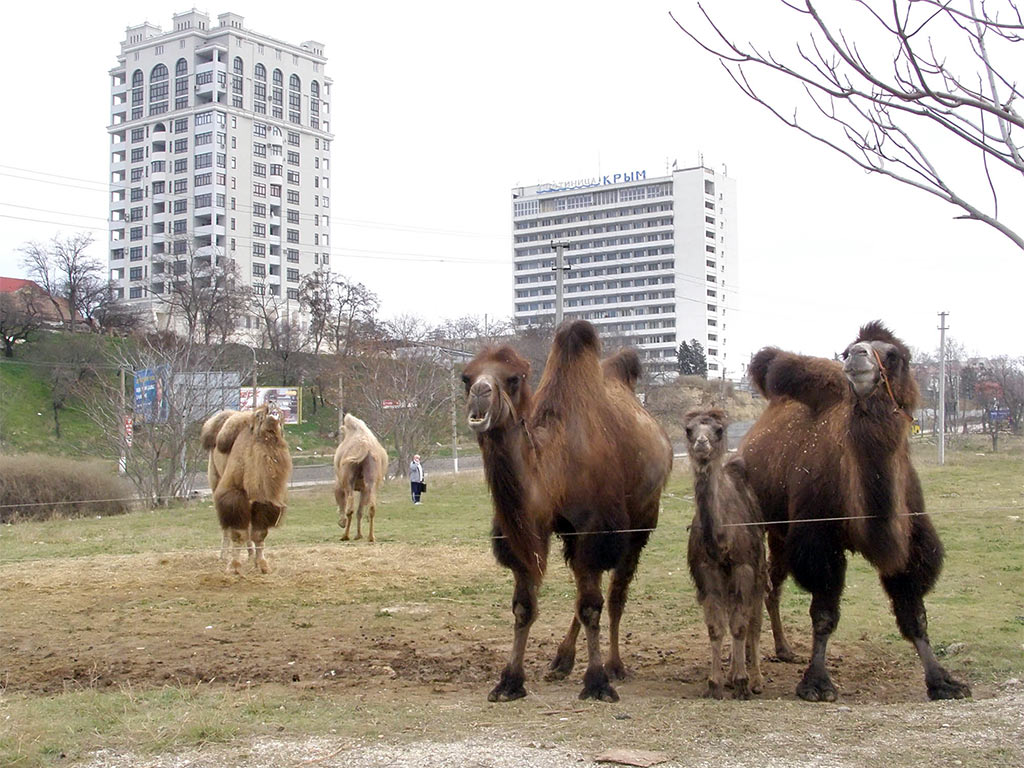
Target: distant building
32	298
654	261
220	149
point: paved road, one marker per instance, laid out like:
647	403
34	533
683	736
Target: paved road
318	474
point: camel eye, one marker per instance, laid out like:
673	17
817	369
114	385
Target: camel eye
846	353
718	433
513	384
467	381
689	433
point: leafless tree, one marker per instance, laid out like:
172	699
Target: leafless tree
65	271
70	360
201	290
19	317
1007	373
165	451
279	329
947	78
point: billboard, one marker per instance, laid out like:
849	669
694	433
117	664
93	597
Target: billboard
150	388
193	395
288	399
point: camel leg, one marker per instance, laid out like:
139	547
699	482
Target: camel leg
818	563
907	590
589	603
738	628
364	504
238	540
345	501
565	657
754	648
779	571
715	620
512	684
618	590
225	543
259	535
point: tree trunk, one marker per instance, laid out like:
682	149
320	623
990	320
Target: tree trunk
56	420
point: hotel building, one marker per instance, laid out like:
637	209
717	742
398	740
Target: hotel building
652	262
220	149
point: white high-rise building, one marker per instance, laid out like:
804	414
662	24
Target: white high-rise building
652	261
220	149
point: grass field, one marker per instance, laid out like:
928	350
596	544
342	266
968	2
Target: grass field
125	634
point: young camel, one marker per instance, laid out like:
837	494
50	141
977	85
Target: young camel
726	553
360	464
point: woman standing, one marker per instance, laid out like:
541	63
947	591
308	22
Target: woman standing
416	478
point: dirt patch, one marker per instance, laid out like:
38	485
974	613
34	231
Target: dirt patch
392	617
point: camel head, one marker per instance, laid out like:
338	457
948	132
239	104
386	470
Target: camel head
267	419
878	364
705	433
497	390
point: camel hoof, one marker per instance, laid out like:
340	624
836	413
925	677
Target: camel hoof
757	685
814	687
945	687
509	688
560	667
741	689
371	540
714	690
345	537
615	670
358	536
235	567
263	566
786	656
596	686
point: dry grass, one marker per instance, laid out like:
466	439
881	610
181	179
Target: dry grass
50	487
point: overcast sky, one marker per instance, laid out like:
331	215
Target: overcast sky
441	108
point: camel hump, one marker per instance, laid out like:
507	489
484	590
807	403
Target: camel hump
576	338
231	429
208	435
758	368
624	366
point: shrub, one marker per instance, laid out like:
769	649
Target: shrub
36	487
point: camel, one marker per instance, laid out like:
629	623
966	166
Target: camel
833	444
217	460
360	464
582	460
251	492
726	553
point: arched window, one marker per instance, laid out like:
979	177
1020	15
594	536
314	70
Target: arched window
294	83
278	77
137	78
181	68
260	73
238	65
158	74
314	89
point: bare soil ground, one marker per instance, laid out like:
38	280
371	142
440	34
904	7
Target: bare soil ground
416	636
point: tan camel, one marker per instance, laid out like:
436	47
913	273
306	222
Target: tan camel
360	464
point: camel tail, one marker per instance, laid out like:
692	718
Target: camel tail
624	366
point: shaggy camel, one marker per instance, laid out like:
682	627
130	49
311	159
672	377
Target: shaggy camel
251	493
583	460
217	460
360	464
726	553
833	443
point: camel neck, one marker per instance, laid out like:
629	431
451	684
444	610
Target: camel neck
706	477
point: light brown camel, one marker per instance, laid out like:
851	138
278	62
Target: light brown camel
726	553
833	445
583	460
217	460
251	494
360	464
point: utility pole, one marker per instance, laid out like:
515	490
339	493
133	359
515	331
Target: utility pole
254	391
942	388
341	406
559	246
455	420
122	462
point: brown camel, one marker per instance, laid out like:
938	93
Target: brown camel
251	493
726	553
360	464
583	460
833	443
